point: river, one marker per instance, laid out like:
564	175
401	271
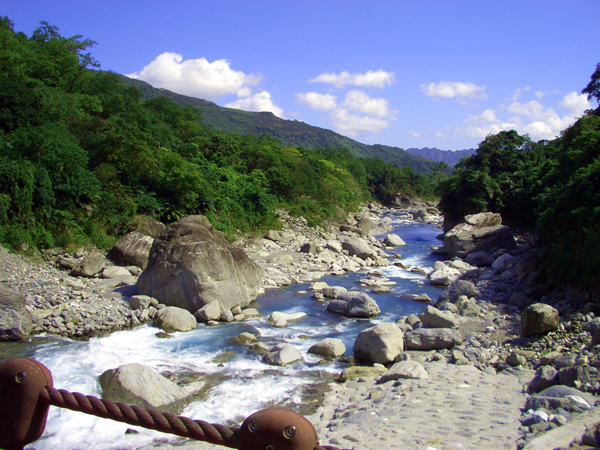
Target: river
243	384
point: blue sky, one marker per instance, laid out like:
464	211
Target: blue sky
402	73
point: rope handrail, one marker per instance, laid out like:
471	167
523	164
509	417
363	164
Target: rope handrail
26	393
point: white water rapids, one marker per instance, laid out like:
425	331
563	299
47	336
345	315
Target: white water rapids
246	384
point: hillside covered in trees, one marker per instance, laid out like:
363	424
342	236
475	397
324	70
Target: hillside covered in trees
550	187
81	154
292	133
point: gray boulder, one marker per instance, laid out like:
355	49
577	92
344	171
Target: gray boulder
138	385
91	265
359	247
173	319
393	240
432	339
457	289
545	377
477	221
133	248
379	344
15	319
479	259
210	311
148	226
434	318
142	302
191	264
354	304
539	318
329	348
404	370
443	275
282	355
366	225
333	291
482	239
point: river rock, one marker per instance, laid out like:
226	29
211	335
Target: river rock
359	247
434	318
482	239
432	339
479	259
139	385
333	291
404	370
539	318
443	275
15	319
91	265
210	311
133	248
457	289
115	271
142	302
191	264
282	355
354	304
379	344
362	372
545	376
477	221
280	236
393	240
278	317
173	319
245	338
329	348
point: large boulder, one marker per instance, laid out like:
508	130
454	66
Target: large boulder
173	319
329	348
91	265
147	226
282	355
477	221
15	319
404	370
443	275
379	344
482	239
456	290
354	304
133	248
393	240
432	339
359	247
191	264
434	318
539	318
140	386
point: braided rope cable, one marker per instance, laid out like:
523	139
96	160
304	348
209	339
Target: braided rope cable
146	418
134	415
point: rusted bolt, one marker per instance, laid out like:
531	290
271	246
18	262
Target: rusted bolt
20	377
289	432
253	426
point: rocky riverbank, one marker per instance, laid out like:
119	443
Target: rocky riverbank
485	301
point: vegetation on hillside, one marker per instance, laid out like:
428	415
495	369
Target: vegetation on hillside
551	187
81	154
292	133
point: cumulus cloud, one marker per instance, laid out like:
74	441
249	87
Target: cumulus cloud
413	133
196	77
454	89
314	100
359	101
372	78
257	102
531	118
519	92
353	125
357	114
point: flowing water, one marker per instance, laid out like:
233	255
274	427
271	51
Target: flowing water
243	384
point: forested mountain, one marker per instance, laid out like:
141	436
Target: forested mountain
448	156
289	132
82	154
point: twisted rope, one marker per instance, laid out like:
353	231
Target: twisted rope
146	418
134	415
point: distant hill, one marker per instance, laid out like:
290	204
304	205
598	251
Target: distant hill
290	132
450	157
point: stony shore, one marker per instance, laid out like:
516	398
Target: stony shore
475	395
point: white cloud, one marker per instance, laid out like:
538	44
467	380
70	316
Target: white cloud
258	102
196	77
314	100
359	101
372	78
452	89
531	118
540	94
353	125
413	133
576	103
519	92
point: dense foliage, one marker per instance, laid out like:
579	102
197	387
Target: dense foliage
551	187
289	132
82	154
